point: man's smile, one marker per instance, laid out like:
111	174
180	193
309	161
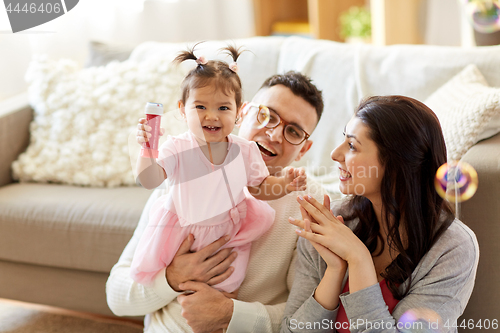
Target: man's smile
266	150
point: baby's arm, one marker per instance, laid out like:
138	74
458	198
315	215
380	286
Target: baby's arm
149	172
272	188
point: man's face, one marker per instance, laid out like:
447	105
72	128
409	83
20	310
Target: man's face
276	152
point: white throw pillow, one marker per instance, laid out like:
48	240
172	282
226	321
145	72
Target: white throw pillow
84	117
468	110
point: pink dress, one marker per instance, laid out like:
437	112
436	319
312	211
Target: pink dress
207	200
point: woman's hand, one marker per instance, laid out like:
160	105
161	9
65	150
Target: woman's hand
333	261
328	290
329	231
333	234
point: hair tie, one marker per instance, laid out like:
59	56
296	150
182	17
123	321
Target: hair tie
201	60
234	67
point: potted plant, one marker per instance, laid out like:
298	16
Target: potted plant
355	25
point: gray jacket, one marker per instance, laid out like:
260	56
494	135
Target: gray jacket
442	281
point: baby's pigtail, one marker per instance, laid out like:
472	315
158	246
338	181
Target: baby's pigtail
188	55
234	53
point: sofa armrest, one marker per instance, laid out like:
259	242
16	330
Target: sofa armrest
481	213
483	207
15	119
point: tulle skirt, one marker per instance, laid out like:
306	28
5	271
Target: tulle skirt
164	234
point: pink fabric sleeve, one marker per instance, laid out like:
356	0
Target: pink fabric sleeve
167	157
256	168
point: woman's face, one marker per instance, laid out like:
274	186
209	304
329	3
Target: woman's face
360	169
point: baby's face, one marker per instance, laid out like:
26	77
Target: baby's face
210	114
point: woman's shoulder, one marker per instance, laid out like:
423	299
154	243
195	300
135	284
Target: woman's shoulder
457	233
460	237
341	207
455	250
452	262
338	206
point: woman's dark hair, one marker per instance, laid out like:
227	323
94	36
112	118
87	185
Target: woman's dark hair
214	72
411	148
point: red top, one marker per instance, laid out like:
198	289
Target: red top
342	317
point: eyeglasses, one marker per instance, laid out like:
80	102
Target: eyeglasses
270	119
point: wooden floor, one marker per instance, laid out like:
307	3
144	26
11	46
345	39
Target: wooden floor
85	315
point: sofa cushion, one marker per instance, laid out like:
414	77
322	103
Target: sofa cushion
83	118
67	226
465	106
101	54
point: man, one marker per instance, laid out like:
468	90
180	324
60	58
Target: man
296	106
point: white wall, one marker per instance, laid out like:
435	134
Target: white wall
443	22
118	22
446	24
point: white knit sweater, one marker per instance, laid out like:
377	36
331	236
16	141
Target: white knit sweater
261	298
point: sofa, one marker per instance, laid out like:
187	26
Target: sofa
59	241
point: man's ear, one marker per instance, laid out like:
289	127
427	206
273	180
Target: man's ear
307	145
243	111
180	105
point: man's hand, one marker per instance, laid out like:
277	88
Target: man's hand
207	309
202	266
295	179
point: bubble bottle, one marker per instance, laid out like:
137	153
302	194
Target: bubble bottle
153	112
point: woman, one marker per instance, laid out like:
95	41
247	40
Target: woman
401	247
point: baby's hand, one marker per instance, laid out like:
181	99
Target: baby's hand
295	179
143	131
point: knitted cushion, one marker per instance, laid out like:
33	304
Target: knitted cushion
468	109
83	118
